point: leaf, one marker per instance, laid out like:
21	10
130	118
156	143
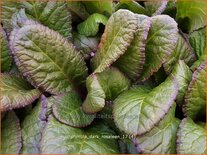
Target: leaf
131	5
16	92
138	110
191	15
99	6
86	45
32	127
35	50
182	51
191	138
53	14
90	26
197	63
62	139
183	75
198	41
118	34
104	86
135	53
155	8
6	59
77	9
162	138
160	44
195	98
11	142
67	109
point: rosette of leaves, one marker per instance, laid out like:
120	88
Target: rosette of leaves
103	77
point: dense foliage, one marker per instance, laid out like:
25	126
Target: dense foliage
103	77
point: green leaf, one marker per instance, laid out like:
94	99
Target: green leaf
53	14
16	92
198	41
86	45
195	98
6	59
183	75
119	33
32	128
160	44
62	139
90	26
191	138
11	142
197	63
138	110
35	49
182	51
162	138
135	53
99	6
67	109
104	86
155	8
191	15
131	5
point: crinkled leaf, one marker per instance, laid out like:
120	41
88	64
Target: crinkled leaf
160	44
50	13
105	86
90	26
86	45
191	15
62	139
191	138
16	92
6	59
182	51
11	142
183	75
32	128
197	63
162	138
135	52
99	6
155	8
195	98
138	110
118	34
131	5
67	109
198	41
35	50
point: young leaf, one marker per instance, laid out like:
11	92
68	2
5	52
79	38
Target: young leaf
119	33
183	75
191	15
6	59
32	128
67	109
53	14
62	139
183	51
160	44
191	138
35	49
198	41
195	98
11	142
90	26
135	52
138	110
155	8
16	92
162	138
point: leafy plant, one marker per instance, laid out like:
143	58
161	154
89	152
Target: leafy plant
99	77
